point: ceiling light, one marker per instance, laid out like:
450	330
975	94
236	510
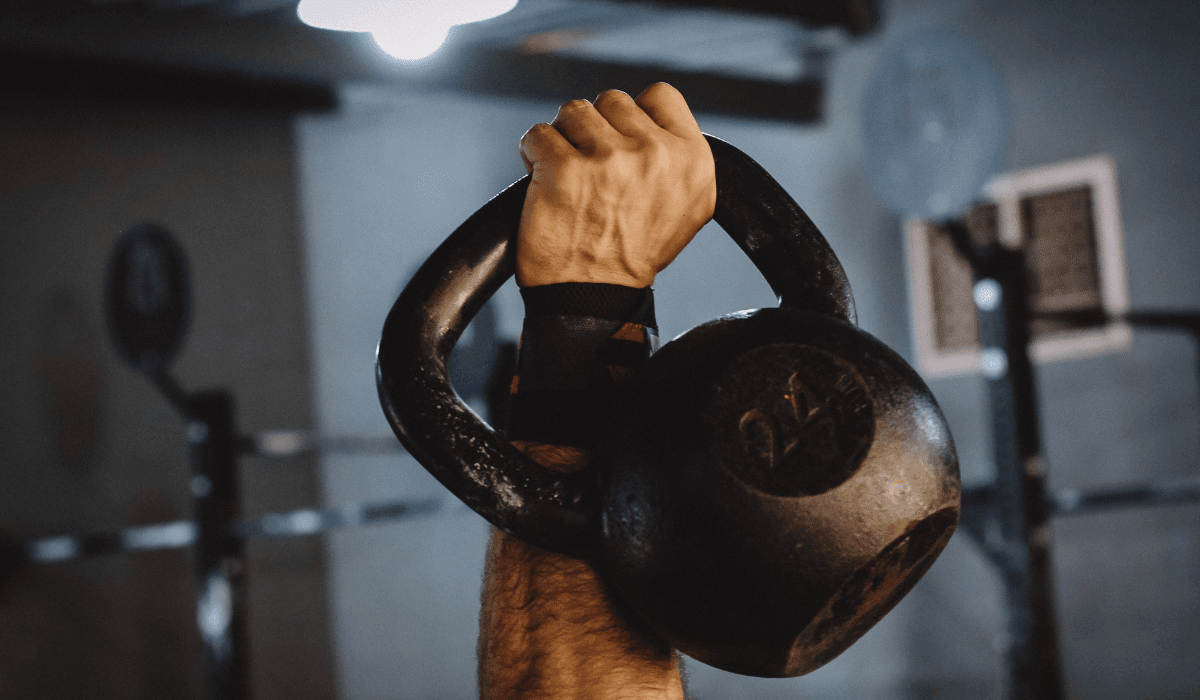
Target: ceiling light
405	29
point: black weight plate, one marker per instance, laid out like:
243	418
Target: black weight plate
147	297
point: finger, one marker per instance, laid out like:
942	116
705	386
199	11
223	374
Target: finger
669	110
583	126
619	109
543	143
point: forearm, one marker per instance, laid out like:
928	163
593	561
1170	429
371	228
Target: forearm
617	191
549	629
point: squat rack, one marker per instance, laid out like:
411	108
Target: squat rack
1009	518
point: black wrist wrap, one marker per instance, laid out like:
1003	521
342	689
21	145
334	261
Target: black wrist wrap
578	344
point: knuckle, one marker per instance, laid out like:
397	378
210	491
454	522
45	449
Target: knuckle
613	96
575	106
568	173
659	91
655	151
536	131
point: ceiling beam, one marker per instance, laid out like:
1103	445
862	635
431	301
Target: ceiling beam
558	78
70	76
857	17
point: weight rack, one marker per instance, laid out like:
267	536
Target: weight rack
1009	518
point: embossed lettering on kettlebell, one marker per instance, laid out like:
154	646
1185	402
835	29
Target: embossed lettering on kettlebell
803	400
789	419
775	441
761	435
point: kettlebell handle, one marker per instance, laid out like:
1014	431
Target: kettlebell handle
545	508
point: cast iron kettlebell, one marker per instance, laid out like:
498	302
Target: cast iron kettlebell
771	483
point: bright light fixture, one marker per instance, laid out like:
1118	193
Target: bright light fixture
405	29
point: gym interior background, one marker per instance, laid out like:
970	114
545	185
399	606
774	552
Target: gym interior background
306	177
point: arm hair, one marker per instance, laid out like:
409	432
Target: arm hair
549	629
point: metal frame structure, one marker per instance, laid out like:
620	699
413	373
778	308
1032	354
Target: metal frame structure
1009	519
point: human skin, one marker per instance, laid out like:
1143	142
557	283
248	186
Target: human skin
619	187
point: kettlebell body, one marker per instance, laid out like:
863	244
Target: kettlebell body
771	483
785	473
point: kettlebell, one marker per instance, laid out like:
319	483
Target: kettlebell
770	484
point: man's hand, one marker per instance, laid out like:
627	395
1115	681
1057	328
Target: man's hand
618	189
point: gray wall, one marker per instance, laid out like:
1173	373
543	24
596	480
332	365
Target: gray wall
89	446
384	180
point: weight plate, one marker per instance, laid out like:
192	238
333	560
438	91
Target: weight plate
147	297
934	119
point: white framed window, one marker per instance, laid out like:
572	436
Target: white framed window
1067	218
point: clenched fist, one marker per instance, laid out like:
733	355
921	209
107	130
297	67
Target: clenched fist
618	189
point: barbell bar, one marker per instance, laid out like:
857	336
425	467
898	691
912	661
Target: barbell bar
183	533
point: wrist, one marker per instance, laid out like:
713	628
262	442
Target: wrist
555	250
584	275
533	270
579	343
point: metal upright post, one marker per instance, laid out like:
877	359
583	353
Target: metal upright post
220	560
1020	504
